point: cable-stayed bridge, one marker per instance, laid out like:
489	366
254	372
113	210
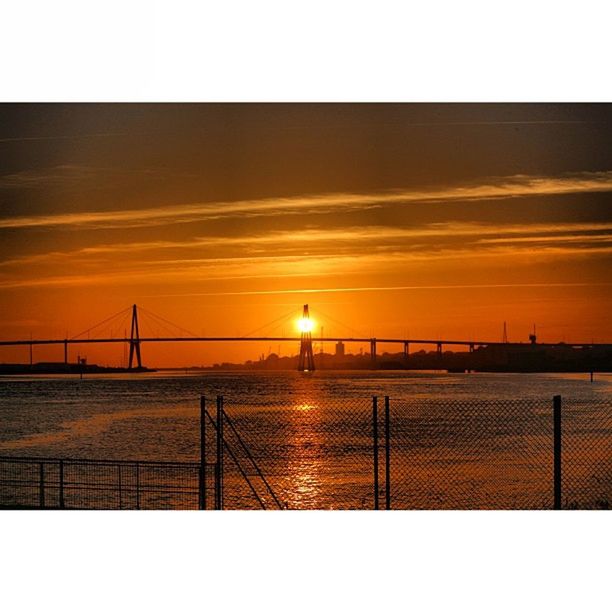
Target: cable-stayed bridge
177	334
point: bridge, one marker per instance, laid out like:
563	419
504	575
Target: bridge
306	356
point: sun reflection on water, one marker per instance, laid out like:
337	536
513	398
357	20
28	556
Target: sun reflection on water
305	407
304	456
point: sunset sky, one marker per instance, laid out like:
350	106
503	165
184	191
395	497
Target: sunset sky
389	220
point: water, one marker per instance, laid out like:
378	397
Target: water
312	433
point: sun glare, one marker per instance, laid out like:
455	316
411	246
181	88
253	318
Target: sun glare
305	407
305	325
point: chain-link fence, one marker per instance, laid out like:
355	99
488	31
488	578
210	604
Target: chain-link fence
471	454
313	454
586	454
351	454
101	485
427	454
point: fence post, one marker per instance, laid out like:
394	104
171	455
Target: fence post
375	440
61	484
387	457
137	486
557	451
202	471
41	487
119	483
219	452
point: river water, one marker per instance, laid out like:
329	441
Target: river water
455	436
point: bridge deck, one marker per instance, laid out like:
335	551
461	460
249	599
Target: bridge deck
474	343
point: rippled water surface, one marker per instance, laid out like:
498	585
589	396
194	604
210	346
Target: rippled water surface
311	433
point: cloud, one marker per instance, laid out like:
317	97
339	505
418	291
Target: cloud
381	288
493	189
71	137
377	232
71	175
277	266
584	239
338	239
46	177
475	123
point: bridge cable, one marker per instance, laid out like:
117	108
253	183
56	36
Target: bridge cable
123	325
121	312
151	313
278	320
146	327
333	320
154	328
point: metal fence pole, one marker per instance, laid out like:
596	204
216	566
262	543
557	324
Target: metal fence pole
557	451
119	483
219	452
61	484
387	457
202	471
41	487
216	477
137	486
375	440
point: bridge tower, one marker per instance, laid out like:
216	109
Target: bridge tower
134	340
306	360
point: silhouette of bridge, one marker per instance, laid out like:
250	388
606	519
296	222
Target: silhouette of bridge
306	358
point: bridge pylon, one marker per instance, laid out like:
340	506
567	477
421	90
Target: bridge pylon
134	340
306	360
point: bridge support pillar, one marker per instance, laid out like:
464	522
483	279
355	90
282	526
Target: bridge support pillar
66	352
373	350
406	350
306	359
134	340
439	349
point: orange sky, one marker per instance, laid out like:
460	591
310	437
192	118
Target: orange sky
389	220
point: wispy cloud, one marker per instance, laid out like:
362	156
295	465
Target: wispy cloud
492	189
585	239
518	122
355	234
73	175
380	288
55	175
336	239
276	267
42	137
94	135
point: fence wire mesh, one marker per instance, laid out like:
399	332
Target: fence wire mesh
472	454
319	454
450	454
314	454
586	454
100	485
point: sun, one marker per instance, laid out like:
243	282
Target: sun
305	325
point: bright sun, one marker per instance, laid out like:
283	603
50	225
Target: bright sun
305	325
